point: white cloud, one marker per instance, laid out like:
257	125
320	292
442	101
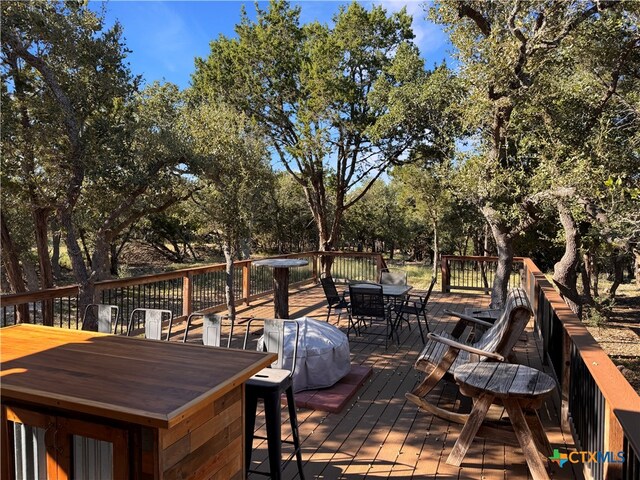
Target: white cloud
430	37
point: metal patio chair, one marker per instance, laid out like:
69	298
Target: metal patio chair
212	326
104	315
152	318
414	305
367	302
335	301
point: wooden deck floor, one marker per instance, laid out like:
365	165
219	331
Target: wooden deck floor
381	435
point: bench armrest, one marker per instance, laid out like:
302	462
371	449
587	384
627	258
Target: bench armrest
469	318
466	348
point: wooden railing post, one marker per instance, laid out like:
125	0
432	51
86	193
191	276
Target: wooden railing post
379	266
187	293
246	281
444	270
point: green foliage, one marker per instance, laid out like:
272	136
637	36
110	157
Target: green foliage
231	162
288	225
312	89
83	142
380	216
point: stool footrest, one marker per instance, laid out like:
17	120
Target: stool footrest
258	472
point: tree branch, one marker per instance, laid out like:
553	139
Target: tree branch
481	22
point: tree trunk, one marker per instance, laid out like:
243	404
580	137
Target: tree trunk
504	245
85	247
41	223
565	273
326	261
227	248
30	273
618	269
114	259
86	282
100	261
636	254
587	276
503	271
485	253
436	251
391	250
245	248
55	252
10	258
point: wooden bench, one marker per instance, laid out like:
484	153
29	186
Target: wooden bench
444	352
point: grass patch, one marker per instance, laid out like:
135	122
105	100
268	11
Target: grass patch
419	276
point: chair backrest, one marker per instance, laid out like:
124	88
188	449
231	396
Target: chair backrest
393	277
152	318
213	326
431	285
330	290
104	315
273	339
502	336
367	300
425	299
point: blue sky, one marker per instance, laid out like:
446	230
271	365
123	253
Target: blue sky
165	37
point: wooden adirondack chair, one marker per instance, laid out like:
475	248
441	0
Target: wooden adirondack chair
444	352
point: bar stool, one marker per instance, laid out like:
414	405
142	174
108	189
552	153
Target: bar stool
268	385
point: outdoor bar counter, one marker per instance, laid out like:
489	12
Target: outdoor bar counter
81	404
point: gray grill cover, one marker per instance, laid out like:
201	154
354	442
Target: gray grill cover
323	354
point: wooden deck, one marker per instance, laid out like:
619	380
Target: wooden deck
381	435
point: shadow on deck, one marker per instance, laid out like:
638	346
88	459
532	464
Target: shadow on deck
379	434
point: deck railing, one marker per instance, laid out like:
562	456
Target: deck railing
599	407
474	273
199	289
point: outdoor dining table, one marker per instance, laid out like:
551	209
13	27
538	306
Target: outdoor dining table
281	268
388	290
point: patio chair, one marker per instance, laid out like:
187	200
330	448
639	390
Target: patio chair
335	301
368	303
414	305
152	318
393	277
212	327
104	315
443	353
269	384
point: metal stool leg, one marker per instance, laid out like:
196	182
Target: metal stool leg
273	418
250	407
293	418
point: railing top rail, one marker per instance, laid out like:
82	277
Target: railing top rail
50	293
618	392
479	258
46	294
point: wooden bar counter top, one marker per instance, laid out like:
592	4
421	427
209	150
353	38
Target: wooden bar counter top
169	410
